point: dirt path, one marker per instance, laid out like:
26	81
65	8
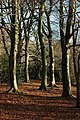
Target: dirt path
37	105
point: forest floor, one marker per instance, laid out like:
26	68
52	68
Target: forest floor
37	105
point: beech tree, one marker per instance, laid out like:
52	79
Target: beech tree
13	51
51	45
26	37
65	42
27	31
42	44
76	55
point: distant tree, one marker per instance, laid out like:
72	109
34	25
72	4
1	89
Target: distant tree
51	45
26	38
27	21
21	39
3	31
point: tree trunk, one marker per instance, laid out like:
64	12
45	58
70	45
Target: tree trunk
13	51
26	72
78	83
51	54
65	42
26	62
66	73
43	49
19	53
26	36
67	80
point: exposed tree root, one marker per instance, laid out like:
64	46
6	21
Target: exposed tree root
42	88
52	85
28	81
69	96
13	90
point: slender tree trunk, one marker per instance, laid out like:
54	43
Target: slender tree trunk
20	44
26	36
15	45
26	61
51	54
38	65
43	49
26	72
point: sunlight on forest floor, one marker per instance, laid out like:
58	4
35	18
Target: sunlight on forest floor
37	105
